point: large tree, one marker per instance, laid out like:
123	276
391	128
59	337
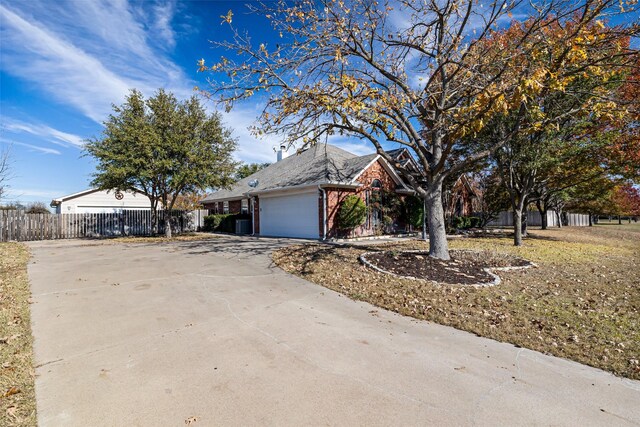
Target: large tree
556	146
246	169
417	74
163	147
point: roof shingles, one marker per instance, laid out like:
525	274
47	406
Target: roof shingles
320	164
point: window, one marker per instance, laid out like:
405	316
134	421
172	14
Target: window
244	206
225	207
376	184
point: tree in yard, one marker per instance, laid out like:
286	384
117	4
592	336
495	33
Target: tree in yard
592	197
163	147
551	151
246	169
419	74
5	171
189	201
623	155
625	201
492	194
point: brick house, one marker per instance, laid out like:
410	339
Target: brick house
462	199
300	195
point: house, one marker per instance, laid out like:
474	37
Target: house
300	195
101	201
462	199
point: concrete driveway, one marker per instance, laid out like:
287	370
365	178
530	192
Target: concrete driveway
153	335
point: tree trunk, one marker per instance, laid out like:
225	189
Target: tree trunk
154	216
543	215
438	246
424	220
167	224
525	217
590	220
559	218
619	220
517	226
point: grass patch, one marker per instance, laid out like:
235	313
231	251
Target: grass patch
17	393
186	237
581	303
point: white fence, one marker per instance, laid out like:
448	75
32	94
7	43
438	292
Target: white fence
20	226
505	219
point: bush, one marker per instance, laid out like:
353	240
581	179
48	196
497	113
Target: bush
225	223
475	222
352	212
464	222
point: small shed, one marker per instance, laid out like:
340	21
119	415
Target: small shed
101	201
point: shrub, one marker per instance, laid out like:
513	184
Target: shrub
225	223
464	222
352	212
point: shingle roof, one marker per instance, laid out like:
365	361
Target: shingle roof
320	164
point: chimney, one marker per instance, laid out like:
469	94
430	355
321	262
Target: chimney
282	152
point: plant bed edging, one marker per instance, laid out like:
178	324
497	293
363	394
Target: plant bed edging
489	270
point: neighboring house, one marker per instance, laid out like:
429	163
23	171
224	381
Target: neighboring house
462	199
101	201
300	195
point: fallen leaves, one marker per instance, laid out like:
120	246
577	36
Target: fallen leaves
13	390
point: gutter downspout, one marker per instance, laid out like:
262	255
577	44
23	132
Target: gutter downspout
324	212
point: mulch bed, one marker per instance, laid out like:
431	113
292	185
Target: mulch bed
464	267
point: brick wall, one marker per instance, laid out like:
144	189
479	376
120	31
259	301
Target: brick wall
235	206
335	196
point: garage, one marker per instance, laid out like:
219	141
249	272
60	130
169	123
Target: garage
293	215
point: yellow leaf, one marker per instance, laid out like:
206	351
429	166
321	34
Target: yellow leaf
227	18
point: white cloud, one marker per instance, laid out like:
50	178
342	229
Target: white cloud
32	147
89	54
54	136
250	149
21	193
162	24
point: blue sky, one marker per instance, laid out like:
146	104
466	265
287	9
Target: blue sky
63	63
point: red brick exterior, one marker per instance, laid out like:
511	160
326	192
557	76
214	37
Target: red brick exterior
461	201
335	196
235	206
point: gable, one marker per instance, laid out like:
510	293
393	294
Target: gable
379	169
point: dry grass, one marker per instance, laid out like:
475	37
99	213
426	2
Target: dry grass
581	303
17	394
186	237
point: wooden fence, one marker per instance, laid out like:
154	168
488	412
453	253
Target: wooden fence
19	226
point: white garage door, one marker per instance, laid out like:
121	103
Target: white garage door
293	215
